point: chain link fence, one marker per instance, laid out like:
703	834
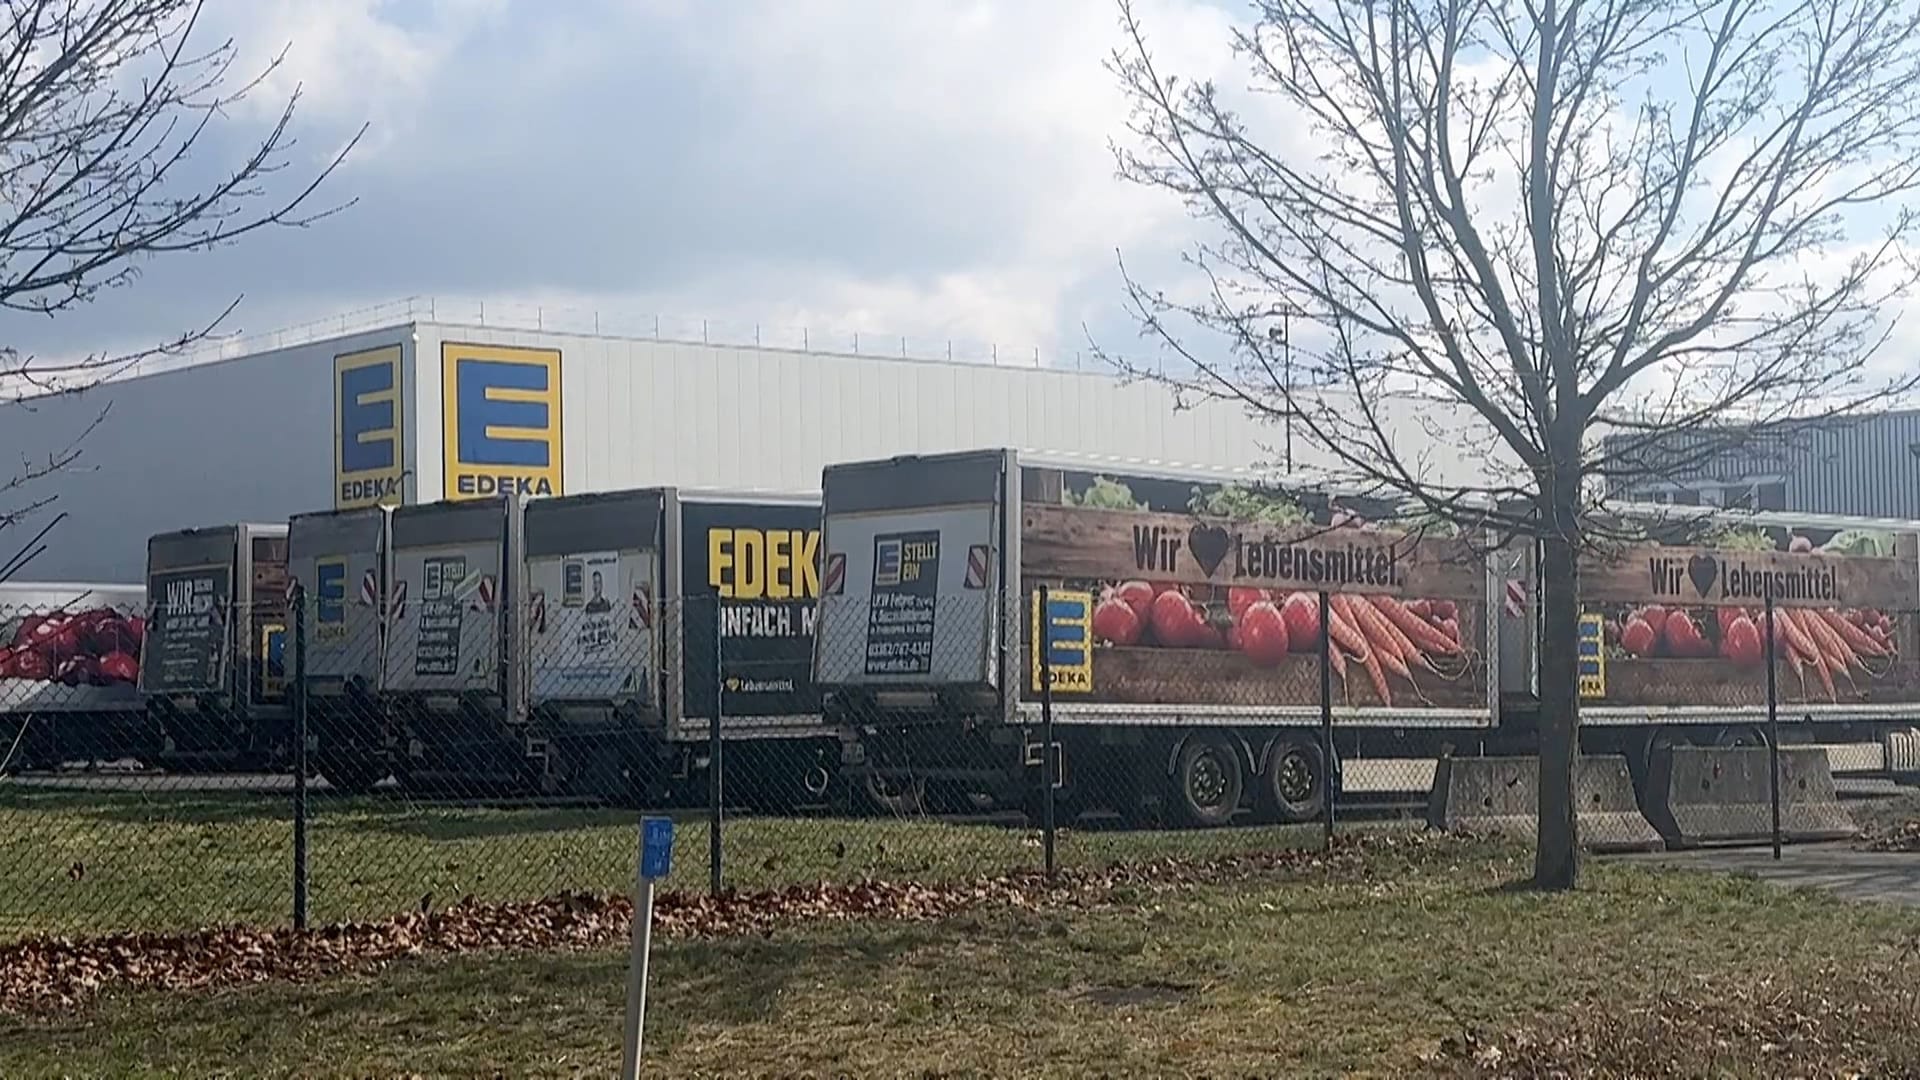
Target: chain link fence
344	763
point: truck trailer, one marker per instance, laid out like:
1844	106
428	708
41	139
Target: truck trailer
338	559
1181	631
581	644
212	672
69	664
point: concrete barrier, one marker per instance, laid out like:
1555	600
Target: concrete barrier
1503	795
1699	795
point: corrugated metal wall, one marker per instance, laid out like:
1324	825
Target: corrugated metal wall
1865	467
246	439
640	412
254	438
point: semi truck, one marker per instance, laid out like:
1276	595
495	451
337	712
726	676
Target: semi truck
1181	633
586	644
212	671
69	664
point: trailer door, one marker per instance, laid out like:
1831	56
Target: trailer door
265	647
910	582
189	637
444	610
749	581
339	557
592	580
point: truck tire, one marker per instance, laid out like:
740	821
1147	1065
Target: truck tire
1208	781
888	797
1740	735
1292	786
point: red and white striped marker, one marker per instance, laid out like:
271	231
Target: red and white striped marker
978	558
483	595
293	586
1516	604
399	607
642	615
369	589
833	581
539	613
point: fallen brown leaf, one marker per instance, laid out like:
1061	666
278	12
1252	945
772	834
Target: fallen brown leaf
54	972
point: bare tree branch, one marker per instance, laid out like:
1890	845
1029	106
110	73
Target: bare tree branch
109	112
1681	223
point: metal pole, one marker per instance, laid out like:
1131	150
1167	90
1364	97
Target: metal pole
1326	713
1046	731
299	757
1286	347
716	781
1773	725
637	975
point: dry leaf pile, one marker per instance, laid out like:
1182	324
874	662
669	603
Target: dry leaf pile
52	972
1904	836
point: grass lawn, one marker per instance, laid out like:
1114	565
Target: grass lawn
74	863
1309	972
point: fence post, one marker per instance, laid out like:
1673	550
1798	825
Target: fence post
1773	723
299	705
1326	714
716	778
1040	643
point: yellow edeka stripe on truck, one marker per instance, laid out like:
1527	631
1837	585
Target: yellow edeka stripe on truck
1065	631
502	420
1593	655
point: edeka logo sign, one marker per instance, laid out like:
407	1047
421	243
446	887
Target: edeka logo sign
368	462
330	595
502	412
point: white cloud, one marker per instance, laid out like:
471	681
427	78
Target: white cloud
352	61
924	167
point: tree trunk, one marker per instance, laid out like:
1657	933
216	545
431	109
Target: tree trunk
1556	856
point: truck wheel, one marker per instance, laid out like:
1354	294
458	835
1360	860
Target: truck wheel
1208	780
1292	786
1735	736
894	797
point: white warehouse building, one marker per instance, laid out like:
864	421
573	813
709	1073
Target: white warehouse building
424	406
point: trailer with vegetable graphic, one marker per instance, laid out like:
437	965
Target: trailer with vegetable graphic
1183	615
1684	626
69	659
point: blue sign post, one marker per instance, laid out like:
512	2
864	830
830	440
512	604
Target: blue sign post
656	861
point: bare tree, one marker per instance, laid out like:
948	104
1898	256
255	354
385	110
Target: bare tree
112	116
1680	221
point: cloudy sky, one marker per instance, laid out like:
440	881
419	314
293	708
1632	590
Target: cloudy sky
937	169
934	168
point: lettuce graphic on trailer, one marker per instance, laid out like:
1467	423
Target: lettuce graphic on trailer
900	621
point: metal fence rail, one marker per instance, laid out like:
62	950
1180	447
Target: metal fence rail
434	772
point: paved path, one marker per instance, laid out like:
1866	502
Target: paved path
1887	877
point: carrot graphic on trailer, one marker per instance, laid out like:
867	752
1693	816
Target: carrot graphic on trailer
1345	632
